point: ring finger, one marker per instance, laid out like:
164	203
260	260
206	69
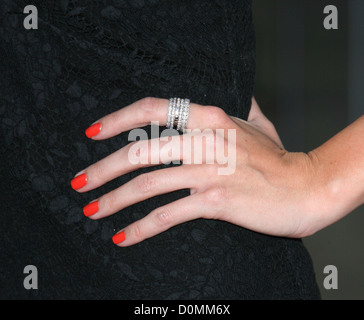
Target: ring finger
143	187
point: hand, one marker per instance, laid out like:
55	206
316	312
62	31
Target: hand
266	191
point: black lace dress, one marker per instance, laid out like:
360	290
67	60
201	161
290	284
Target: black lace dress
85	60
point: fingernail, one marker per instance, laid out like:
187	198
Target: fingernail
119	237
91	208
93	130
79	181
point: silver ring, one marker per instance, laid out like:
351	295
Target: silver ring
178	113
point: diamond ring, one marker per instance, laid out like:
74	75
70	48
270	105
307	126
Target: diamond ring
178	113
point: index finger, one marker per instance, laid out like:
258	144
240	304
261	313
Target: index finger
147	110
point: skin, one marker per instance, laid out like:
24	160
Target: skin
272	191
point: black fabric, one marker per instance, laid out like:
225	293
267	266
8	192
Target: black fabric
85	60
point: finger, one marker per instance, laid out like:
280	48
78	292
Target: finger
188	148
145	111
142	153
162	219
142	187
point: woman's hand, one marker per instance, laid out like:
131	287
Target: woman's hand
265	189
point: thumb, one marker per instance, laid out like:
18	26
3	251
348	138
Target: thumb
263	124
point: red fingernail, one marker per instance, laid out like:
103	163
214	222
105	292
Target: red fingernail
119	237
91	208
79	181
93	130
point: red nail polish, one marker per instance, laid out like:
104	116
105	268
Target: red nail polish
79	181
93	130
91	208
119	237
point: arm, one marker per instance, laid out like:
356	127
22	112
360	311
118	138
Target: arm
339	175
270	190
336	168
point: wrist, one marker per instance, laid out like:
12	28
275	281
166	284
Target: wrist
330	196
306	184
338	166
317	195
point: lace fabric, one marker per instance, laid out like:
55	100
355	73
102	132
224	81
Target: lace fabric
85	60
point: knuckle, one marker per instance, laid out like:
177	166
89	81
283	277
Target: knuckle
148	104
216	114
98	171
138	152
216	196
110	202
137	231
134	147
145	183
163	218
215	199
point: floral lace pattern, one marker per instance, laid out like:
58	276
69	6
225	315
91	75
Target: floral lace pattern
85	60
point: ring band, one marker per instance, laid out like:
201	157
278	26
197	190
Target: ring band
178	113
